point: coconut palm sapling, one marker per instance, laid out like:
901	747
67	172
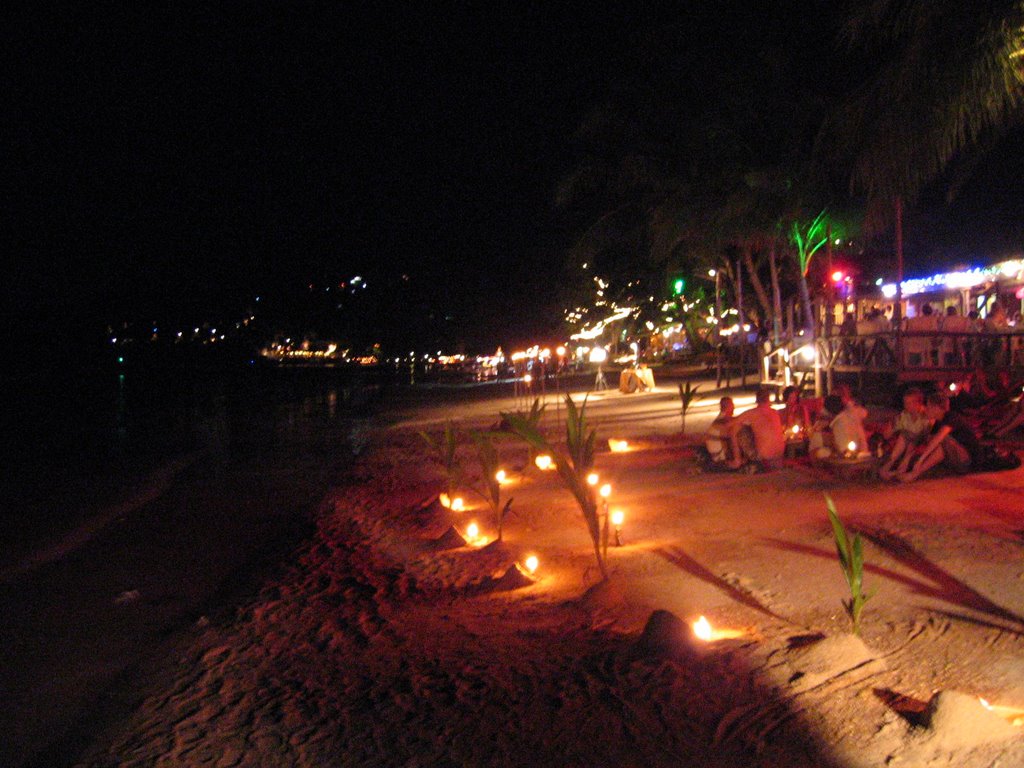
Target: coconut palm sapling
490	488
573	465
851	560
446	455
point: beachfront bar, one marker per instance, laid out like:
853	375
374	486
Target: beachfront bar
951	323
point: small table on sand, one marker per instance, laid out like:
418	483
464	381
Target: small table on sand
860	467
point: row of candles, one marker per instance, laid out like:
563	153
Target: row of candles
701	628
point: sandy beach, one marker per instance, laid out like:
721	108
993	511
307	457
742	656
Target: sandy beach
373	645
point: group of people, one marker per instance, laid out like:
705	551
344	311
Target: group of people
753	439
939	429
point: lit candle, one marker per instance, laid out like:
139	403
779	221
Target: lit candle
851	447
531	563
472	531
703	630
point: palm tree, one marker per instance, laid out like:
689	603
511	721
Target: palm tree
952	73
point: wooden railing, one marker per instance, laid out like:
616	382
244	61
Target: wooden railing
909	355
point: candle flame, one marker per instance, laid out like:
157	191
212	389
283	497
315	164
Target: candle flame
1014	715
702	629
457	504
446	502
618	446
851	447
543	462
472	531
500	476
531	563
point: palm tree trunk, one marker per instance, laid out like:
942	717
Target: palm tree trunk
755	280
776	295
805	303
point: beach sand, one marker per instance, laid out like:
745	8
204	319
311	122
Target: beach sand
376	647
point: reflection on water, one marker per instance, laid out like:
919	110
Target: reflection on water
85	442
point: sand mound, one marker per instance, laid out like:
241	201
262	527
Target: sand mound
956	720
808	665
664	635
450	539
514	578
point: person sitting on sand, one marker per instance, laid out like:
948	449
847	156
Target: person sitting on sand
756	434
952	442
793	413
716	439
912	428
848	427
821	443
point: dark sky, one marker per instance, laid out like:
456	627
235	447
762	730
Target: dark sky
177	161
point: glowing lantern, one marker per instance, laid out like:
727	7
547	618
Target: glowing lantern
531	563
544	462
1013	714
617	517
457	504
593	478
605	490
501	476
703	630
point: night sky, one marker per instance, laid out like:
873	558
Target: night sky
172	163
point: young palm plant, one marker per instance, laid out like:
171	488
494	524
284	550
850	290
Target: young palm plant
686	396
490	488
573	465
851	560
446	455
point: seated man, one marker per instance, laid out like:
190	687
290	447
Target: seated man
848	431
952	442
716	439
912	429
756	435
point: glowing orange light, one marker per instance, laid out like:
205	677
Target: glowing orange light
837	276
1014	714
446	502
617	517
593	478
851	446
618	446
527	378
605	490
473	531
500	476
458	504
532	563
703	630
544	462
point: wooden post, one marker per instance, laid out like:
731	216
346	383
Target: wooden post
743	334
